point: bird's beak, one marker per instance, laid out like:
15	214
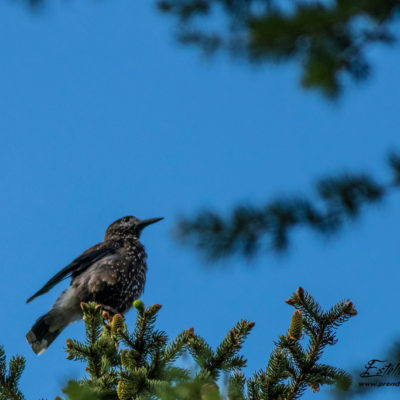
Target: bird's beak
146	222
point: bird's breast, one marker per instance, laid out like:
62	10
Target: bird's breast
117	280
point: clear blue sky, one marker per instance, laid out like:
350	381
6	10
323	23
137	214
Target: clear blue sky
103	115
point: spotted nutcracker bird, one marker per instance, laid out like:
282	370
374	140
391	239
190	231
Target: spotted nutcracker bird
111	273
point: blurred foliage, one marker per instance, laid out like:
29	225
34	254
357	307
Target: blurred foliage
249	228
142	364
33	5
329	39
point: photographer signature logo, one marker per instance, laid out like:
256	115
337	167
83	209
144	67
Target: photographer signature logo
382	373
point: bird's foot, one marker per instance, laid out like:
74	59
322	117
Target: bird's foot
108	309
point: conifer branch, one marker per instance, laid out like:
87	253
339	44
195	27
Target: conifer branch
146	367
9	380
248	229
328	39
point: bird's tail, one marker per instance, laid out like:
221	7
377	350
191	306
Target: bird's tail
44	331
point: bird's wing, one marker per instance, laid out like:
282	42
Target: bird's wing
80	264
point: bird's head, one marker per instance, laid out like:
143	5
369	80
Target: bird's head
128	226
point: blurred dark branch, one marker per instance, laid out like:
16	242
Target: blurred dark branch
33	5
249	228
328	38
